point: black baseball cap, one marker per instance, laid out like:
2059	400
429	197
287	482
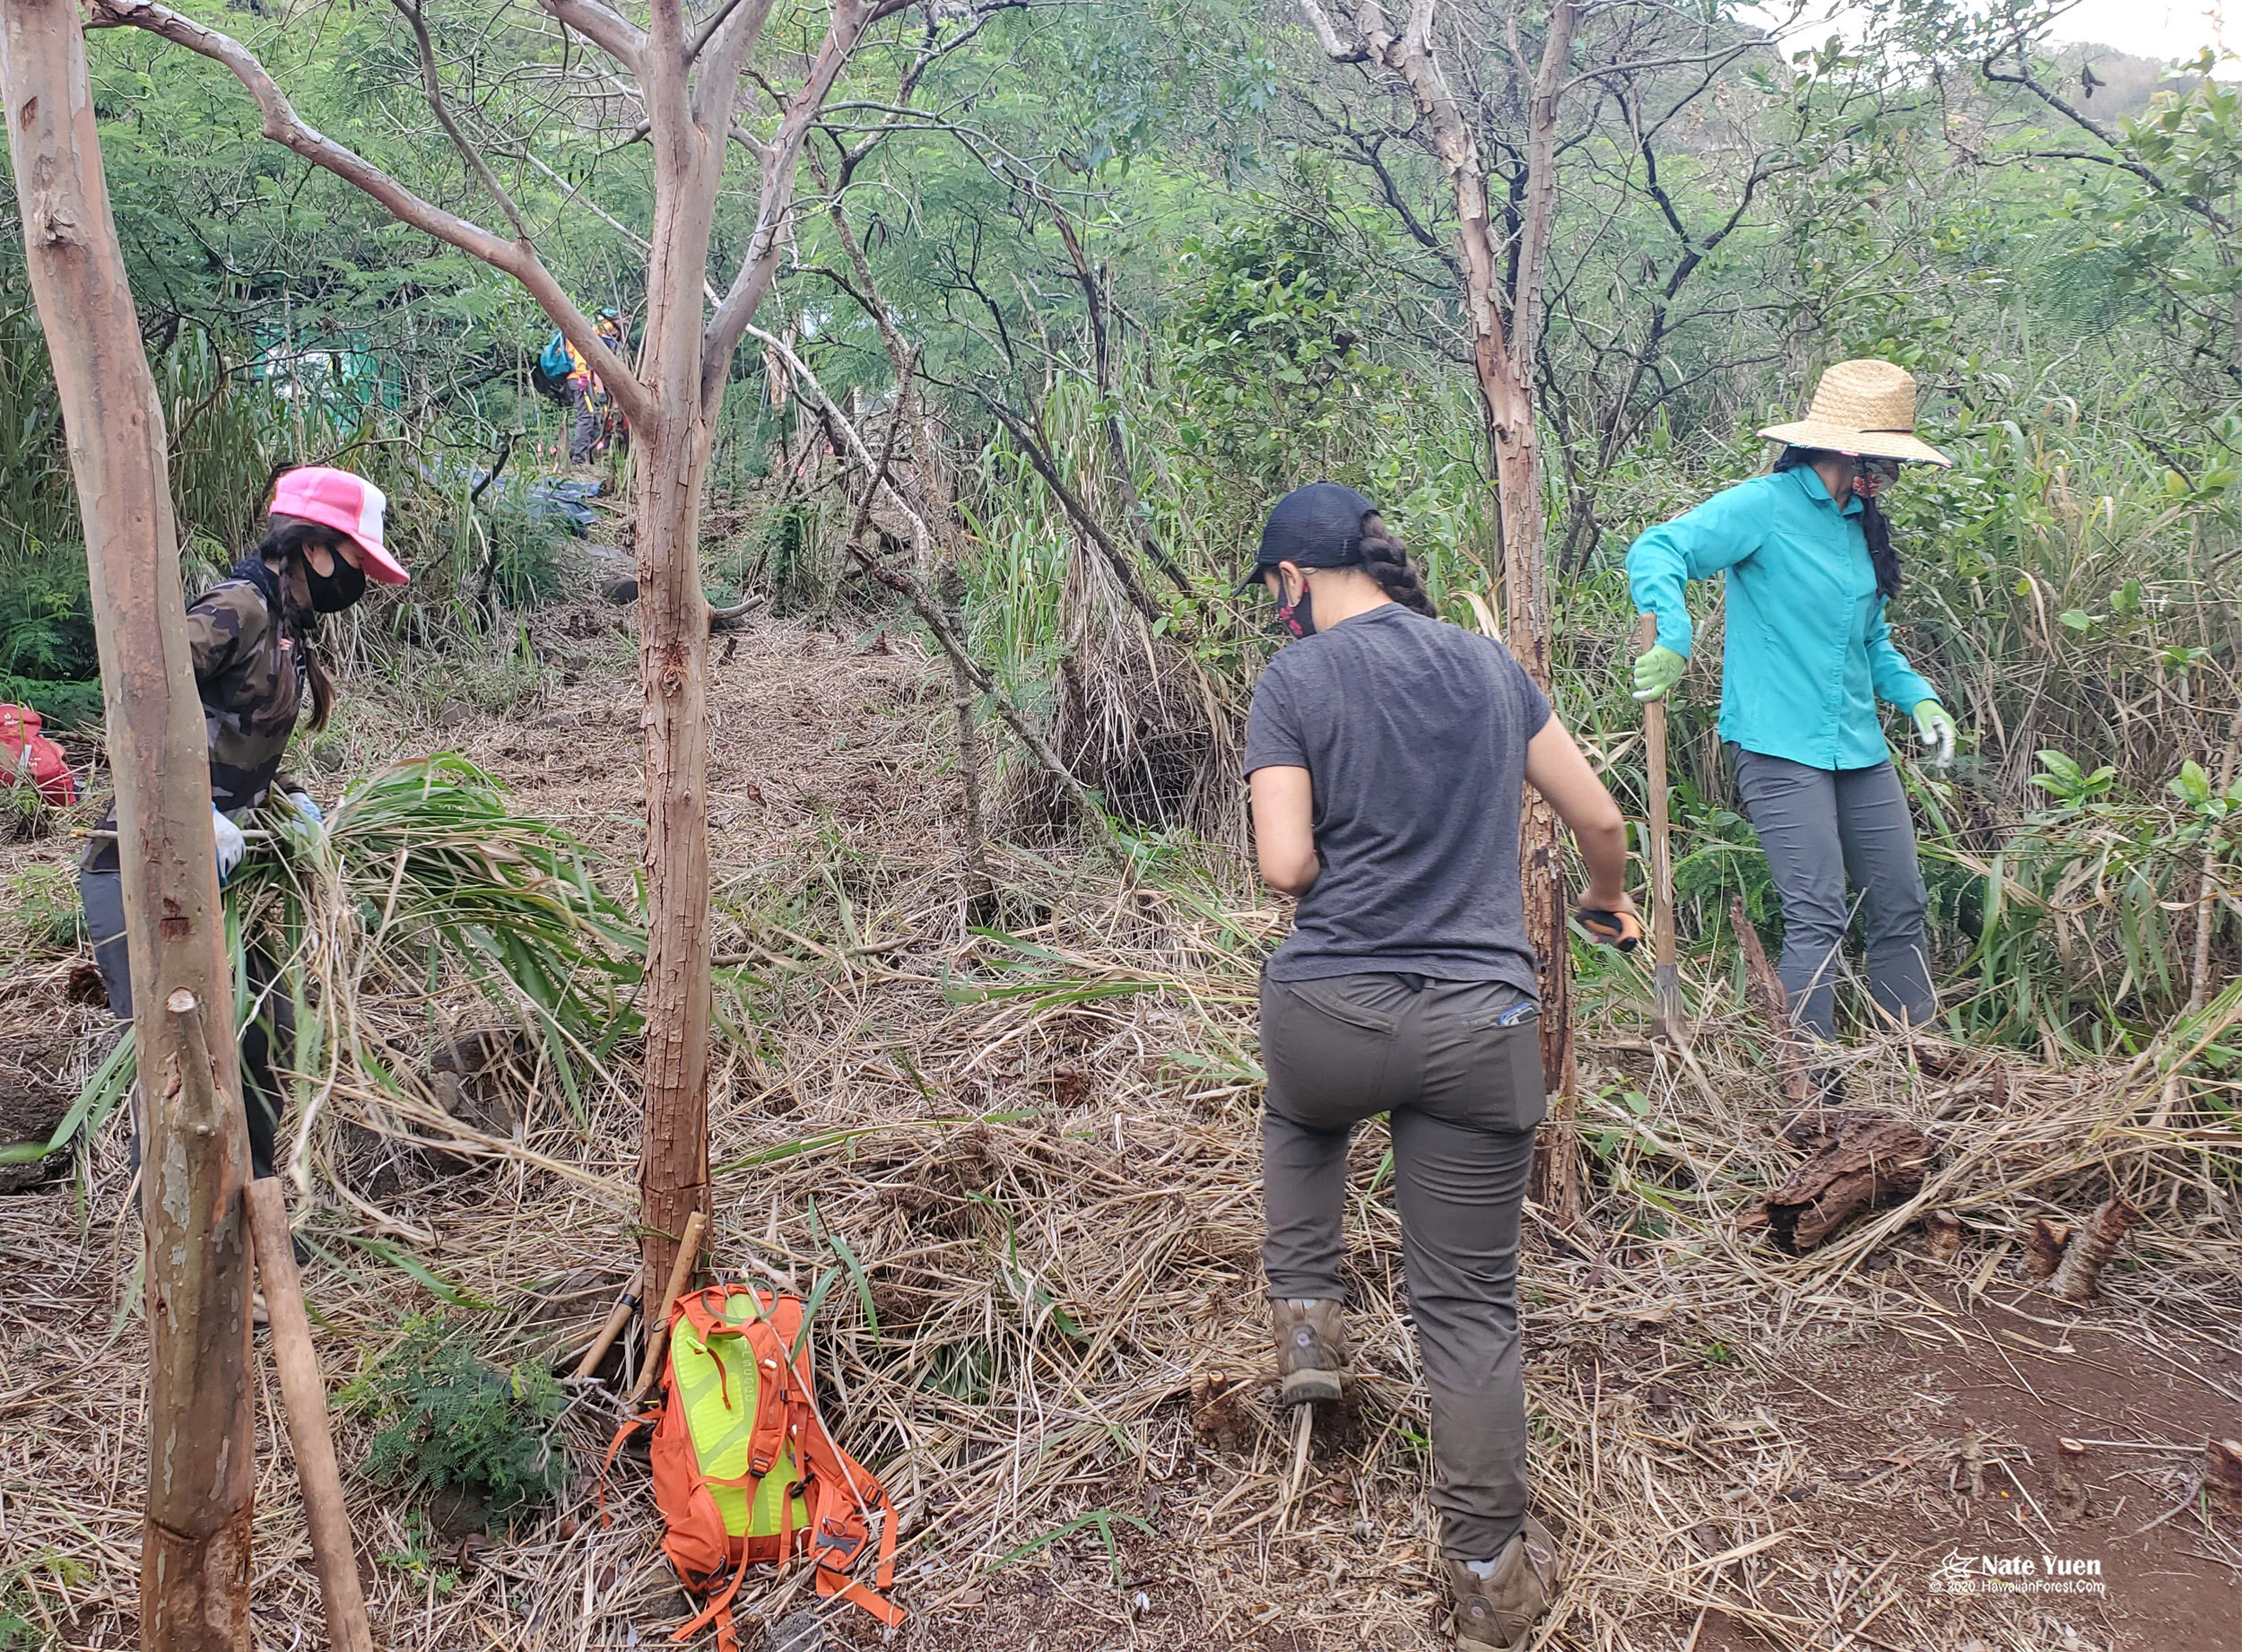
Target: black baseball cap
1319	526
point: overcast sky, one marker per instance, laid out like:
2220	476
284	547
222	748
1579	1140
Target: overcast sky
2161	29
2153	28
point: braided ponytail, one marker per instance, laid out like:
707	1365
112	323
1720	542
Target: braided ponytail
1386	561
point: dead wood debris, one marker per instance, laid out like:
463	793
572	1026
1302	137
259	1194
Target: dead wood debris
1868	1160
2077	1276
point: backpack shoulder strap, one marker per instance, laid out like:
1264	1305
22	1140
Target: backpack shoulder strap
846	1496
607	1463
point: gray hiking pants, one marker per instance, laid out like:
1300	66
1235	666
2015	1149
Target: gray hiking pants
271	1031
1458	1065
585	434
1820	826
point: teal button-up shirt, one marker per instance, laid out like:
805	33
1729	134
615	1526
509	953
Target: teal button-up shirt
1807	653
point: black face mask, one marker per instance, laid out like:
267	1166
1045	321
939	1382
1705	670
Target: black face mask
333	592
1299	617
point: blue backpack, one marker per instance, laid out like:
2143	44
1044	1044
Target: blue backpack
551	375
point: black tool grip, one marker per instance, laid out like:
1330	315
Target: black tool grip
1623	930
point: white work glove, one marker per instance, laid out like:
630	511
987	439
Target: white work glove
231	845
307	811
1935	727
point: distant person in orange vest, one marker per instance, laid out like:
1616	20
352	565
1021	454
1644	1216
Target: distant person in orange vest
589	394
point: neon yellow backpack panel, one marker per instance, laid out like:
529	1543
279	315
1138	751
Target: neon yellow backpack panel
719	1384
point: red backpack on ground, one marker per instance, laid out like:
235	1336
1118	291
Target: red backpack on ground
31	759
744	1471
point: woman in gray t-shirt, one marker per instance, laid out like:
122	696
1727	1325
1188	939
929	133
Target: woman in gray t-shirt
1387	752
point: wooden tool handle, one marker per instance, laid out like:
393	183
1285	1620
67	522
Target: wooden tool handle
304	1396
680	1274
1662	936
605	1339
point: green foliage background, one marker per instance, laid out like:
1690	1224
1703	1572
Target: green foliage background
1273	251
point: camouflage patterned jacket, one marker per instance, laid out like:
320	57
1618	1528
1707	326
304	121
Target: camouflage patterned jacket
248	665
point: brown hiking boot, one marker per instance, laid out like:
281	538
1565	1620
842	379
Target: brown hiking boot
1311	1349
1500	1610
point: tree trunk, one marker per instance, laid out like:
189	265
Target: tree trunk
674	668
195	1556
1503	362
1526	588
670	461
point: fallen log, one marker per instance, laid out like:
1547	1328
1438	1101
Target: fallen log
1872	1158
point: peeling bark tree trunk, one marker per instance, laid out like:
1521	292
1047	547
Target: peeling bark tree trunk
194	1556
1503	359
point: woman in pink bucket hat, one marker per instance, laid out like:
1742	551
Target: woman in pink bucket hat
254	637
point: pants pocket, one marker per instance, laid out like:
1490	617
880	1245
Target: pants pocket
1328	1054
1501	1086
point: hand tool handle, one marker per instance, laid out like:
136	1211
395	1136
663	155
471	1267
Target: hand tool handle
680	1274
1662	938
304	1396
605	1339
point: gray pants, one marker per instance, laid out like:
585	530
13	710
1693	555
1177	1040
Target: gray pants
584	435
273	1030
1464	1091
1819	826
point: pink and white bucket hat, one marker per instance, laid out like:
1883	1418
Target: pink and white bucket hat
351	505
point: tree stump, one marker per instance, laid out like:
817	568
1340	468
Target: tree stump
1763	989
2043	1252
1871	1160
2077	1275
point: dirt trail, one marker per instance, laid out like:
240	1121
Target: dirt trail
1821	1483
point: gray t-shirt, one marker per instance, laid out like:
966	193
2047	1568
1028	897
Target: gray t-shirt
1413	732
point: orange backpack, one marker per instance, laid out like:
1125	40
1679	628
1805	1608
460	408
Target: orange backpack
744	1471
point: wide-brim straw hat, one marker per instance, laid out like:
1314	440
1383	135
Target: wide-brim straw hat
1865	408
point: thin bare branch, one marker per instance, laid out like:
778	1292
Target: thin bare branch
432	84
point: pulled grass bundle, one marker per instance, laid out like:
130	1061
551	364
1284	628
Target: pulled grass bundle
422	884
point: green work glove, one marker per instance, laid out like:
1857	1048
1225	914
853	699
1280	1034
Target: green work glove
1658	671
1935	727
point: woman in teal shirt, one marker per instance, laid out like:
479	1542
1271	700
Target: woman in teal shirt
1806	656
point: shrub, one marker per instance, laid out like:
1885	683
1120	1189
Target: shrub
47	660
451	1421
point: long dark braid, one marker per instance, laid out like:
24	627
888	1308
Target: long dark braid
1386	561
1875	527
285	537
